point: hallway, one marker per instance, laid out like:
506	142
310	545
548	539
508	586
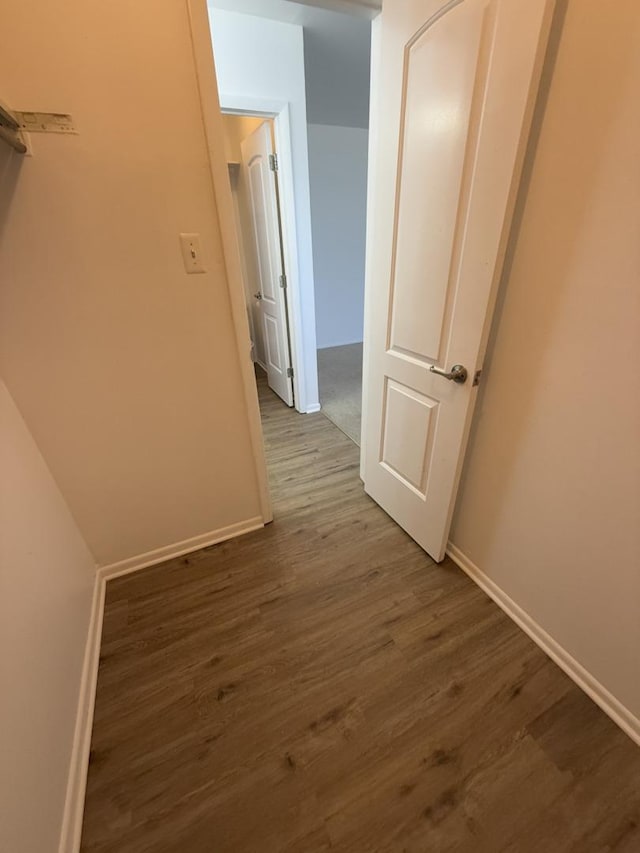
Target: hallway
340	381
321	684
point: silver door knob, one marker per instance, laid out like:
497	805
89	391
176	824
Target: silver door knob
458	373
257	296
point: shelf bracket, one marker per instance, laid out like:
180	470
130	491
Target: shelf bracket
10	130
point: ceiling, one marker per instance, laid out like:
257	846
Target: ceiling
364	8
303	12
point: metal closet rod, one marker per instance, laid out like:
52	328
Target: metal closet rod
9	128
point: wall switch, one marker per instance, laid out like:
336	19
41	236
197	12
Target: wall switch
192	253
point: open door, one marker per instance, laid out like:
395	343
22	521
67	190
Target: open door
457	83
258	162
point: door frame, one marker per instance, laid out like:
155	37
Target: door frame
204	70
374	120
278	112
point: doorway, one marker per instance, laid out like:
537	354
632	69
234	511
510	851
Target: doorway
307	70
338	158
427	334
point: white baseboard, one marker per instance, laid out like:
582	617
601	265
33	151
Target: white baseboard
620	715
177	549
70	835
77	782
312	409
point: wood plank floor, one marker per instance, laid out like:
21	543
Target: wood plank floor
322	685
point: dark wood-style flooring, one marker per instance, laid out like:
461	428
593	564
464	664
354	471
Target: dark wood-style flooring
322	685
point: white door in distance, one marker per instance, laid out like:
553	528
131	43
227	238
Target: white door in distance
263	205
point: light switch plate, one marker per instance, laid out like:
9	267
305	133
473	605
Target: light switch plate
192	253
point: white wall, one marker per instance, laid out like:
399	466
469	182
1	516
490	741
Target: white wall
260	59
337	57
549	506
338	176
124	367
46	583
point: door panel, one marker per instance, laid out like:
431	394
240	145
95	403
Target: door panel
407	412
271	303
273	347
457	86
436	103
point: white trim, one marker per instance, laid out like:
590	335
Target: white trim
279	111
177	549
374	124
71	832
77	782
311	410
620	715
213	131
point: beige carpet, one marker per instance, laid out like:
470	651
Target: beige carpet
340	381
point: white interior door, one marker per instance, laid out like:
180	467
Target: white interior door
457	82
263	204
241	217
